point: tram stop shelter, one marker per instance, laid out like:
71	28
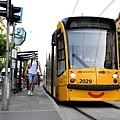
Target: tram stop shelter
21	57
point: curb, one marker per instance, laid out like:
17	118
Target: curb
59	111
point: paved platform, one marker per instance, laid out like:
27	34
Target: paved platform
40	106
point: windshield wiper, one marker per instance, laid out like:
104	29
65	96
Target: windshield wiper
80	61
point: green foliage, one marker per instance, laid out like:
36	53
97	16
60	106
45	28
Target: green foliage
2	45
2	65
24	65
2	41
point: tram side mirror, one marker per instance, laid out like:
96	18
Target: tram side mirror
54	39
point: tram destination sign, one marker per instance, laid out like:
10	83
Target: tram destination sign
91	22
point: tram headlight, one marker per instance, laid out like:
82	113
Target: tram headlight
72	75
114	76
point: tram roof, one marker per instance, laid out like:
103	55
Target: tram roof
26	55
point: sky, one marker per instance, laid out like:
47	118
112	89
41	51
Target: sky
40	18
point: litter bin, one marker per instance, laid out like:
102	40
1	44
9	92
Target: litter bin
15	85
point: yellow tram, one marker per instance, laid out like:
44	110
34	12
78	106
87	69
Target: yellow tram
84	62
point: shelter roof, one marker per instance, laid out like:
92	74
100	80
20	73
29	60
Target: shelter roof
26	55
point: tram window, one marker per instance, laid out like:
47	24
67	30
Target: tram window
107	57
60	42
60	55
61	67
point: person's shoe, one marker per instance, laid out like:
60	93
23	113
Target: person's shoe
29	92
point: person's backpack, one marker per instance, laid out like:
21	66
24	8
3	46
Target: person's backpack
31	63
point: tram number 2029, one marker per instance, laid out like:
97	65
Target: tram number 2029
89	81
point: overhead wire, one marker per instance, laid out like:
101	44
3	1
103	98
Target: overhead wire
106	7
75	7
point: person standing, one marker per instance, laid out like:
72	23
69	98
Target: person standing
32	65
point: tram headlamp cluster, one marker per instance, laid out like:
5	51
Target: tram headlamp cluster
73	75
114	76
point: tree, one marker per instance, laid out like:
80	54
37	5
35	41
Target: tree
3	44
2	39
24	65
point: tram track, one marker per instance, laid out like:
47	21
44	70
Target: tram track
91	111
113	106
84	113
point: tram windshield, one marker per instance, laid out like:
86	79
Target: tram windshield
93	47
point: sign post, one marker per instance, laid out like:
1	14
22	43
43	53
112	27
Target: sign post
11	17
12	63
6	90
